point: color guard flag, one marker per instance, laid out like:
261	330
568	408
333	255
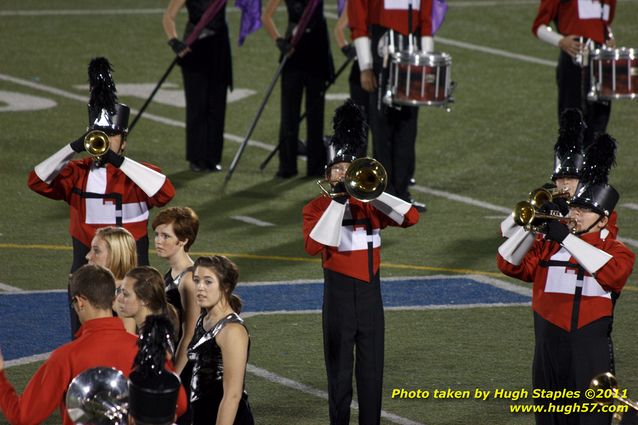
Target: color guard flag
439	9
250	18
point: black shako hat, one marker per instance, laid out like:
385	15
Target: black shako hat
105	113
568	150
153	390
593	190
350	134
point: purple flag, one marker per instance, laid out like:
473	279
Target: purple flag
250	18
341	4
439	9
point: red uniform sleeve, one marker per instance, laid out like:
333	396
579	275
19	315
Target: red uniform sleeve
59	189
43	393
526	270
311	214
409	219
166	192
613	275
547	13
358	17
426	17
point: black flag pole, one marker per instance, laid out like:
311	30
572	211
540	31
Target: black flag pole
298	32
150	98
243	145
305	114
209	14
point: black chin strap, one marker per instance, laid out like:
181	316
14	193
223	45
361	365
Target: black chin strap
582	232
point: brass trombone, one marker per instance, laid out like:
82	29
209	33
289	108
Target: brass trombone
96	143
606	384
365	180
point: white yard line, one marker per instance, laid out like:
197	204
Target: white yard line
630	205
278	379
26	360
251	220
9	288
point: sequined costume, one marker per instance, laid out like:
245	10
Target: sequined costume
208	374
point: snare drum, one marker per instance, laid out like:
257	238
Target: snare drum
614	74
419	79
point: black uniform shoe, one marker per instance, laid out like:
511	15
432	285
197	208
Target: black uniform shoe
197	168
217	168
420	206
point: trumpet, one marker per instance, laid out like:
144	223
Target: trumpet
525	214
96	143
365	180
606	385
541	196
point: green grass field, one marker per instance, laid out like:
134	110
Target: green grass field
494	147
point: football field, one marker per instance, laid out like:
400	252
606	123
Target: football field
453	321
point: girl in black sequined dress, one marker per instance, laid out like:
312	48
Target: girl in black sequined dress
219	349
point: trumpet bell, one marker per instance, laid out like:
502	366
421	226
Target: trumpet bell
98	396
524	213
366	179
539	197
96	143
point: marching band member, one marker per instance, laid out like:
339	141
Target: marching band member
219	348
377	27
577	278
568	163
581	26
346	232
307	70
101	341
109	190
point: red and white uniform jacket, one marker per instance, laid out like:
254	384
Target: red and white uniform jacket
564	292
586	18
348	236
100	197
391	14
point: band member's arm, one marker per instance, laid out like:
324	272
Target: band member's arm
400	212
52	177
269	23
339	33
427	39
233	341
526	269
322	220
188	295
168	22
615	273
42	395
357	11
508	226
518	243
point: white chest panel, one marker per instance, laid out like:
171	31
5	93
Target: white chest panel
102	211
563	280
401	4
592	9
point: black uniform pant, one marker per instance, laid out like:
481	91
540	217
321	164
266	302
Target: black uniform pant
205	88
393	129
568	361
79	259
573	86
353	318
293	83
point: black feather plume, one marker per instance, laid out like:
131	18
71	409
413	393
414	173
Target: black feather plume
153	343
599	158
101	85
570	137
350	128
